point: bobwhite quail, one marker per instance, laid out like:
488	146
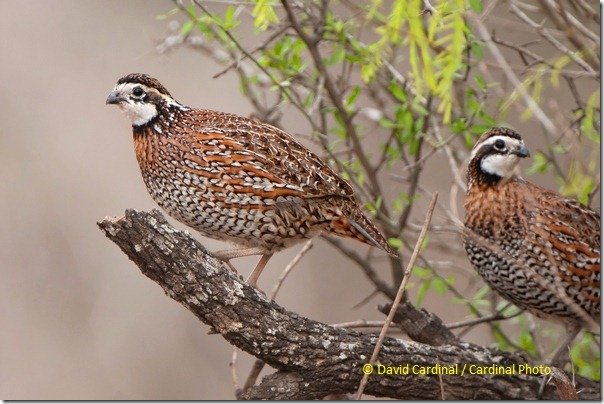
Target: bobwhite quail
235	179
536	248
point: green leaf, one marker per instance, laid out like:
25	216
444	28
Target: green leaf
476	5
397	204
169	14
540	164
479	129
387	123
451	279
264	14
414	146
481	293
228	15
458	126
397	92
440	286
559	148
186	28
356	90
395	242
422	273
421	292
481	82
361	177
337	56
477	49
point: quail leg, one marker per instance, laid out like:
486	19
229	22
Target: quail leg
228	255
253	278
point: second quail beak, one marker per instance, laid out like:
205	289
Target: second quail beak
522	151
114	98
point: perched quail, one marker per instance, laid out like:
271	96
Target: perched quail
536	248
235	179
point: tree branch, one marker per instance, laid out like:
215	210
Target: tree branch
313	359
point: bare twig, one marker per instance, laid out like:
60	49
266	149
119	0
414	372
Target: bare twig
441	385
305	248
483	33
360	324
399	294
262	46
544	32
365	265
233	366
253	375
486	319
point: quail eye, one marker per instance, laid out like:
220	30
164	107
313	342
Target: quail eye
138	92
499	145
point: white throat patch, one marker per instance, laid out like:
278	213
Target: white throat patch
501	165
139	113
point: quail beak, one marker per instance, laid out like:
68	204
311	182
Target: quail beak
522	151
114	98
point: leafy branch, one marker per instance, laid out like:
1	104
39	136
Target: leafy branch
393	95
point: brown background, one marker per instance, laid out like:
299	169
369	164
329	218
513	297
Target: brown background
78	320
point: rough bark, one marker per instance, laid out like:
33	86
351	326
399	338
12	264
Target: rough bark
312	359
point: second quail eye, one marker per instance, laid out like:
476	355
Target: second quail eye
138	92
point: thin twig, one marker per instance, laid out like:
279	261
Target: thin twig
253	376
493	317
244	51
264	45
365	265
544	32
307	246
483	33
233	366
360	324
440	382
399	294
532	329
366	299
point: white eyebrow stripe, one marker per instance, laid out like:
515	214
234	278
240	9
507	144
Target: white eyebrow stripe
508	140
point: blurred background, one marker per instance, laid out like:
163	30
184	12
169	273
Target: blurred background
78	319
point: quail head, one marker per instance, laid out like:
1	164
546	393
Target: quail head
236	179
536	248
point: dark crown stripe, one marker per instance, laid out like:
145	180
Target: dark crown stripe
498	132
146	80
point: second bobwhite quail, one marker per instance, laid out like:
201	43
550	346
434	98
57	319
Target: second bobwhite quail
236	179
536	248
